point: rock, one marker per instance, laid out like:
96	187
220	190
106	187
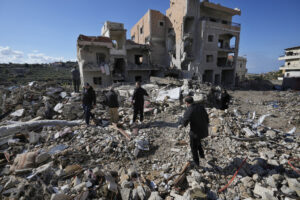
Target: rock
42	157
294	185
271	182
23	161
58	107
80	186
18	113
271	133
60	197
154	196
287	191
265	193
247	182
33	138
248	132
125	193
11	183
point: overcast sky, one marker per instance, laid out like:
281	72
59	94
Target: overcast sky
46	30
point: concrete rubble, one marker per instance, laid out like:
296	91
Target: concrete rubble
75	161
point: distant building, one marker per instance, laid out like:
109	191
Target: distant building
291	68
241	68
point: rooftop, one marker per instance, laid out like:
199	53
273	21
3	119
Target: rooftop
293	48
231	11
94	39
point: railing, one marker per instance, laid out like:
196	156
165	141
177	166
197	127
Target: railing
220	21
232	47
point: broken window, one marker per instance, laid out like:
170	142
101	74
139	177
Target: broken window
161	23
209	58
212	20
289	63
97	80
224	22
188	24
100	58
210	38
220	43
138	59
114	43
142	30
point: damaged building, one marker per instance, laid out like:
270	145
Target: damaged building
291	68
111	58
194	36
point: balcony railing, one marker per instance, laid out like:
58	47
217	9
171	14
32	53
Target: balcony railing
232	47
220	21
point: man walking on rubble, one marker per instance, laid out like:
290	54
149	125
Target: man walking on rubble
88	102
197	116
76	79
138	101
225	99
113	105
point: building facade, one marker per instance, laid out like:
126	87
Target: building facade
109	58
291	68
194	36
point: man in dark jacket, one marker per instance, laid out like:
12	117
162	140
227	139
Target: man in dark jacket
197	116
76	79
113	105
138	101
88	101
225	99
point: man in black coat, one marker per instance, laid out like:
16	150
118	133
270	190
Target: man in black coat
113	105
138	101
197	116
88	101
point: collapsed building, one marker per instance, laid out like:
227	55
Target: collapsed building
111	58
195	37
291	68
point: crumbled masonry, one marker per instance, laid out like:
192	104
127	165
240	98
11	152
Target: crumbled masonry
56	156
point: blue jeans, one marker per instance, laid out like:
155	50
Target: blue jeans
87	113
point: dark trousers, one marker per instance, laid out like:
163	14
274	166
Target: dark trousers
196	148
138	109
76	84
87	113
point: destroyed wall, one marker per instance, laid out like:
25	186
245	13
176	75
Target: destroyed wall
151	29
176	13
141	30
199	37
138	65
93	60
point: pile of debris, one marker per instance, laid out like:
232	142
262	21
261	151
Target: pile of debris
64	159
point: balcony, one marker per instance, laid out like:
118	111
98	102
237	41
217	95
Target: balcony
227	48
222	23
289	57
